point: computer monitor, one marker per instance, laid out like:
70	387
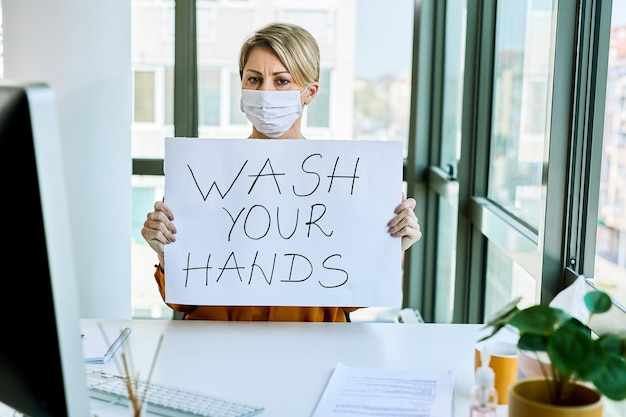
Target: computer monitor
41	362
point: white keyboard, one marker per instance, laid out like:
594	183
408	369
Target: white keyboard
166	401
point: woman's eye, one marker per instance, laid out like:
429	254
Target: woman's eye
282	82
253	80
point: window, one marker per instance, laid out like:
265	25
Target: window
1	45
152	56
144	99
206	26
319	111
209	97
236	115
319	22
498	156
351	55
610	261
449	154
523	52
519	138
168	100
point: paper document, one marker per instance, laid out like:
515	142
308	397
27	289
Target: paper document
353	392
99	347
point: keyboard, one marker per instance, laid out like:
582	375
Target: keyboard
164	400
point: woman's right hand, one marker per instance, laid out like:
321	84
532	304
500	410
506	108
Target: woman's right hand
158	229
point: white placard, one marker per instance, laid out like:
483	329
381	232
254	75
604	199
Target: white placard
283	222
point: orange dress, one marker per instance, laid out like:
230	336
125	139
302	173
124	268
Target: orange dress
252	313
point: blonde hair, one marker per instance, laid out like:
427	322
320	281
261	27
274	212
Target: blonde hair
296	48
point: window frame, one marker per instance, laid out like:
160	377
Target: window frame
568	244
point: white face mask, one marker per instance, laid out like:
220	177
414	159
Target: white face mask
271	112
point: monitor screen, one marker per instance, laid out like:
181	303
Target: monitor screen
41	363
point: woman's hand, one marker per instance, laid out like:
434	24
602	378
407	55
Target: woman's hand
405	224
158	229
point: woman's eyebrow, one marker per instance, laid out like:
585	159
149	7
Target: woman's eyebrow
252	70
259	72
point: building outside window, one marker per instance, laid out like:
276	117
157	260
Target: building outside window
610	262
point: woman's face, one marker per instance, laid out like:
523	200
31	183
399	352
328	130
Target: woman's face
264	71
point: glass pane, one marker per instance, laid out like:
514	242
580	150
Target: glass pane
146	300
152	60
382	70
446	265
143	88
168	112
236	115
610	262
152	49
454	66
506	280
317	114
209	97
353	56
522	81
1	45
454	61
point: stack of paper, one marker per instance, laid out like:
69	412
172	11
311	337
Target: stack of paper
353	392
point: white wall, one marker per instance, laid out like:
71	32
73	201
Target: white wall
81	48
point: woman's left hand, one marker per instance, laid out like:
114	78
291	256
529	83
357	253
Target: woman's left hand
405	224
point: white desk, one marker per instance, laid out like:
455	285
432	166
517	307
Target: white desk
285	366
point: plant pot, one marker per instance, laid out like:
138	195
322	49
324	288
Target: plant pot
529	397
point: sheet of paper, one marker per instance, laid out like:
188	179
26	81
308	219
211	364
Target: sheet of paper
354	392
99	347
283	222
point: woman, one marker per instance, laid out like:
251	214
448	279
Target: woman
279	67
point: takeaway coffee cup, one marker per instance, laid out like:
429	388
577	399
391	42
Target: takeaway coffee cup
503	361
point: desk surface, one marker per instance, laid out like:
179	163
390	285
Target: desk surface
285	366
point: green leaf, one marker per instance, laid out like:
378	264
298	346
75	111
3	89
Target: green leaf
611	344
570	347
595	363
532	342
496	329
612	381
539	319
598	302
502	316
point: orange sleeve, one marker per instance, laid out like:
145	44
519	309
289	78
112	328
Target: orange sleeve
253	313
159	276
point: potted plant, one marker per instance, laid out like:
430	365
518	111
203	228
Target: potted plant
575	354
